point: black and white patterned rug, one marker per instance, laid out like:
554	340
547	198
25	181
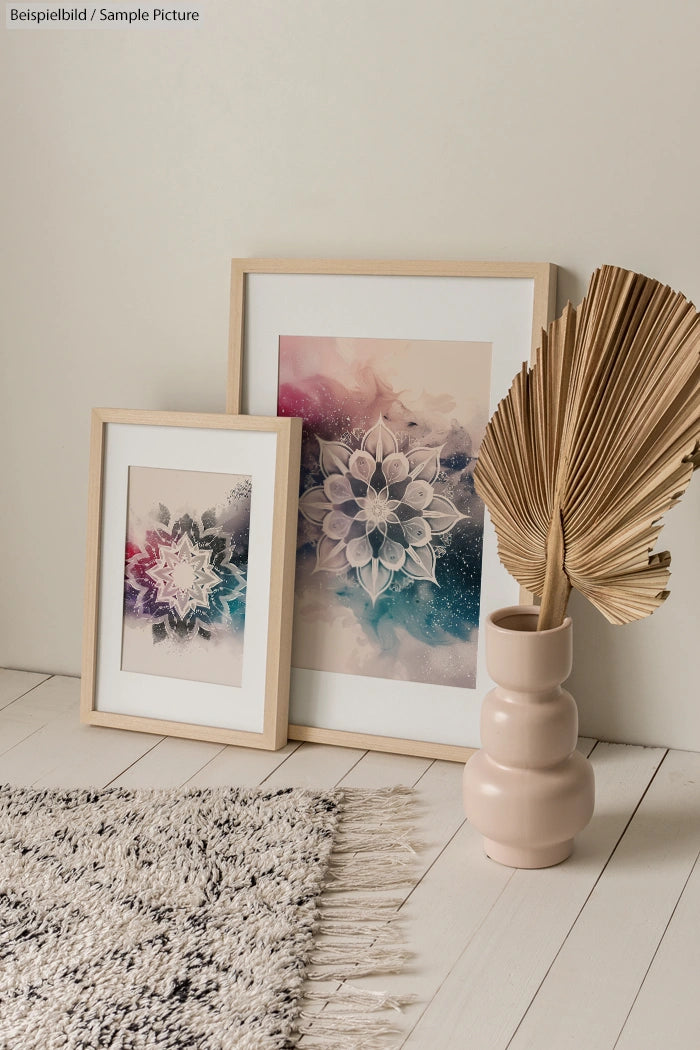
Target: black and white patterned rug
190	919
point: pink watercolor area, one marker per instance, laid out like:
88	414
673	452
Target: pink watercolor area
329	391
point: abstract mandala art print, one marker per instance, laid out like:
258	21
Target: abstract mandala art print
185	574
390	529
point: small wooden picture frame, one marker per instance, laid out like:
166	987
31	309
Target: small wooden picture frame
190	570
395	367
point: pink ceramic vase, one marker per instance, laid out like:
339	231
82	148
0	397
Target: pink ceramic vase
528	791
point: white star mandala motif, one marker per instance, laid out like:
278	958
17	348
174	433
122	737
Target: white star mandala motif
184	576
184	580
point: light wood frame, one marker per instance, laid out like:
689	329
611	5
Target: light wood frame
543	276
277	647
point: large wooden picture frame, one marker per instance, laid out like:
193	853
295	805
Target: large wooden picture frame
190	568
436	344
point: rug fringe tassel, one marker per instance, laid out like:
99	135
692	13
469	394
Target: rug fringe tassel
357	932
333	910
351	997
372	927
369	1040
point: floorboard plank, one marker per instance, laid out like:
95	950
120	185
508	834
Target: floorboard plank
73	756
377	769
14	684
668	1000
63	752
12	731
486	934
241	767
95	756
316	766
55	698
600	968
169	764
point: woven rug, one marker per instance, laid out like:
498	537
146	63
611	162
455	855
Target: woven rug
197	919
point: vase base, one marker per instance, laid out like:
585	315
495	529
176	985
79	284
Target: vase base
528	856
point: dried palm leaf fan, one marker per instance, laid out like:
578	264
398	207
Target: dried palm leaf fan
593	444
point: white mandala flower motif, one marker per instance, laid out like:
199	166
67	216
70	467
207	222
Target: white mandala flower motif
378	510
199	585
184	576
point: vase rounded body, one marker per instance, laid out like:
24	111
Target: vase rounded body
528	791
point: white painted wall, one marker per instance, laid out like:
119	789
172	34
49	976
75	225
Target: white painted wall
136	162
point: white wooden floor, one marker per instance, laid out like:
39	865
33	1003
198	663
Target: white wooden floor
600	952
